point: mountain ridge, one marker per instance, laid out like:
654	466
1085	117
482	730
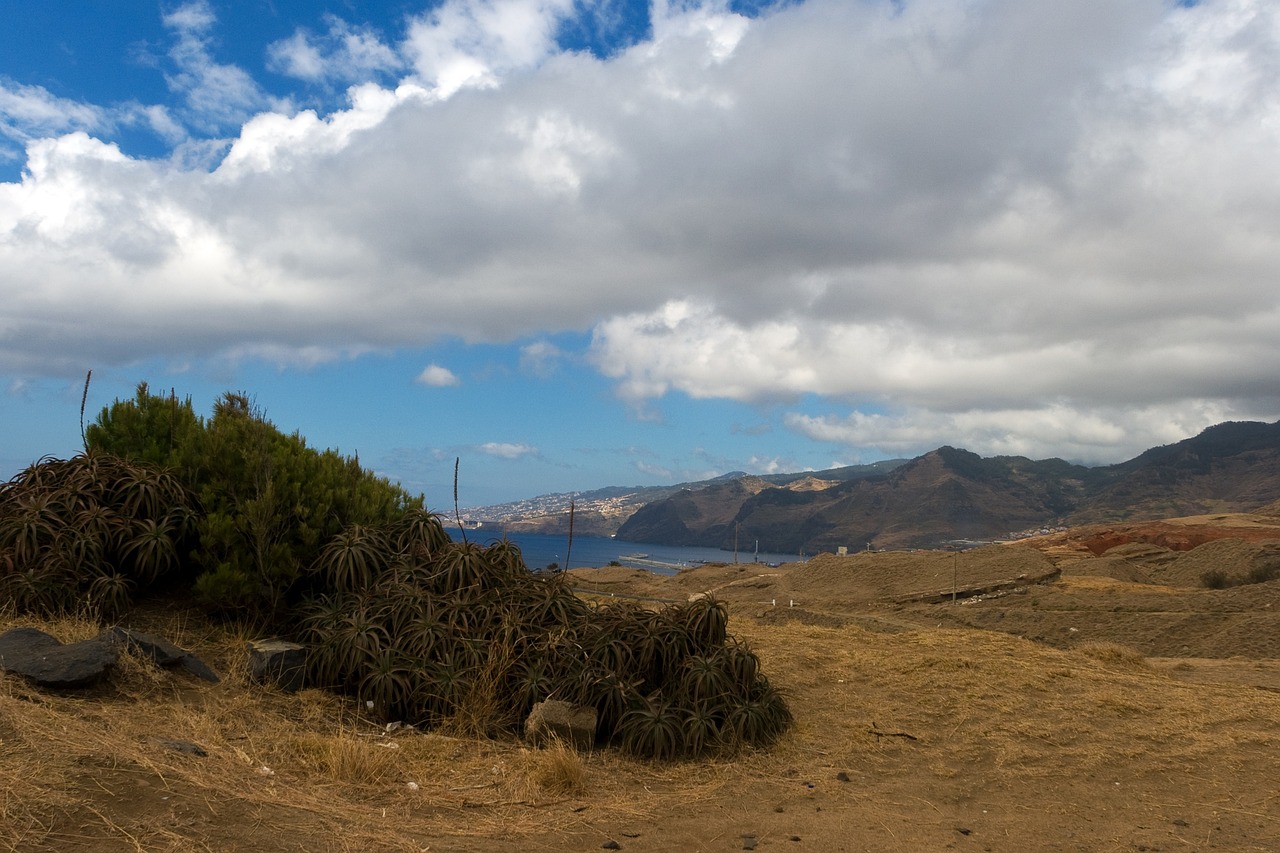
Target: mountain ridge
938	498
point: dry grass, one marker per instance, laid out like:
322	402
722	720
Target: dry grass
1113	654
558	770
345	757
927	726
101	770
481	713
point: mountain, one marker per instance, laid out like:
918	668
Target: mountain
952	494
600	512
1230	467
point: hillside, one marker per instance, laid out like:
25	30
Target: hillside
600	512
1069	711
951	494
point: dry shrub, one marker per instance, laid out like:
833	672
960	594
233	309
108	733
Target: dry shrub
558	769
1113	654
483	713
346	757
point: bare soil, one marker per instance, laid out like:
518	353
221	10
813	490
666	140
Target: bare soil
1049	695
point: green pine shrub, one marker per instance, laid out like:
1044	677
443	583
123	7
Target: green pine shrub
268	502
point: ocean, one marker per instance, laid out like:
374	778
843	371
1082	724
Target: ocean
540	550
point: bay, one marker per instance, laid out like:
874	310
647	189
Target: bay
540	550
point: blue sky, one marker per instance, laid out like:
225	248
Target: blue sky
581	243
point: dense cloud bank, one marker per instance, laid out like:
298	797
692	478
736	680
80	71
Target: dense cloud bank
1043	228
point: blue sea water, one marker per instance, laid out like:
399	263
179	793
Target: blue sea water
540	550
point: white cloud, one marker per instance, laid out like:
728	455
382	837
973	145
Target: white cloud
1093	436
297	56
767	465
474	43
345	53
1060	216
29	112
435	376
216	94
657	472
504	450
541	359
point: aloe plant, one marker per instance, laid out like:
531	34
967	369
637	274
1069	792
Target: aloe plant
652	728
353	559
388	684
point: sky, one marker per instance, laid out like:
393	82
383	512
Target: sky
579	243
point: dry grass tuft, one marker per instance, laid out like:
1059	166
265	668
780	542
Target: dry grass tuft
481	713
558	769
1113	654
346	757
71	628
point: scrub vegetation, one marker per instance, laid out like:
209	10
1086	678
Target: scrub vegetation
260	529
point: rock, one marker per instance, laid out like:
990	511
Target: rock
554	718
161	651
611	845
198	668
749	842
187	747
278	662
48	662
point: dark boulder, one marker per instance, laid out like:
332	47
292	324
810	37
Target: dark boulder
161	651
278	662
48	662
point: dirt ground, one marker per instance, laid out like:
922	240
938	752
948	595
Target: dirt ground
1051	695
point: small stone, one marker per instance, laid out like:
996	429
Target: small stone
630	834
611	845
1180	822
963	830
187	747
842	776
779	809
748	842
794	838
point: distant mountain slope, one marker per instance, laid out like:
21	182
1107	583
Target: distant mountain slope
951	494
600	511
692	516
1230	467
